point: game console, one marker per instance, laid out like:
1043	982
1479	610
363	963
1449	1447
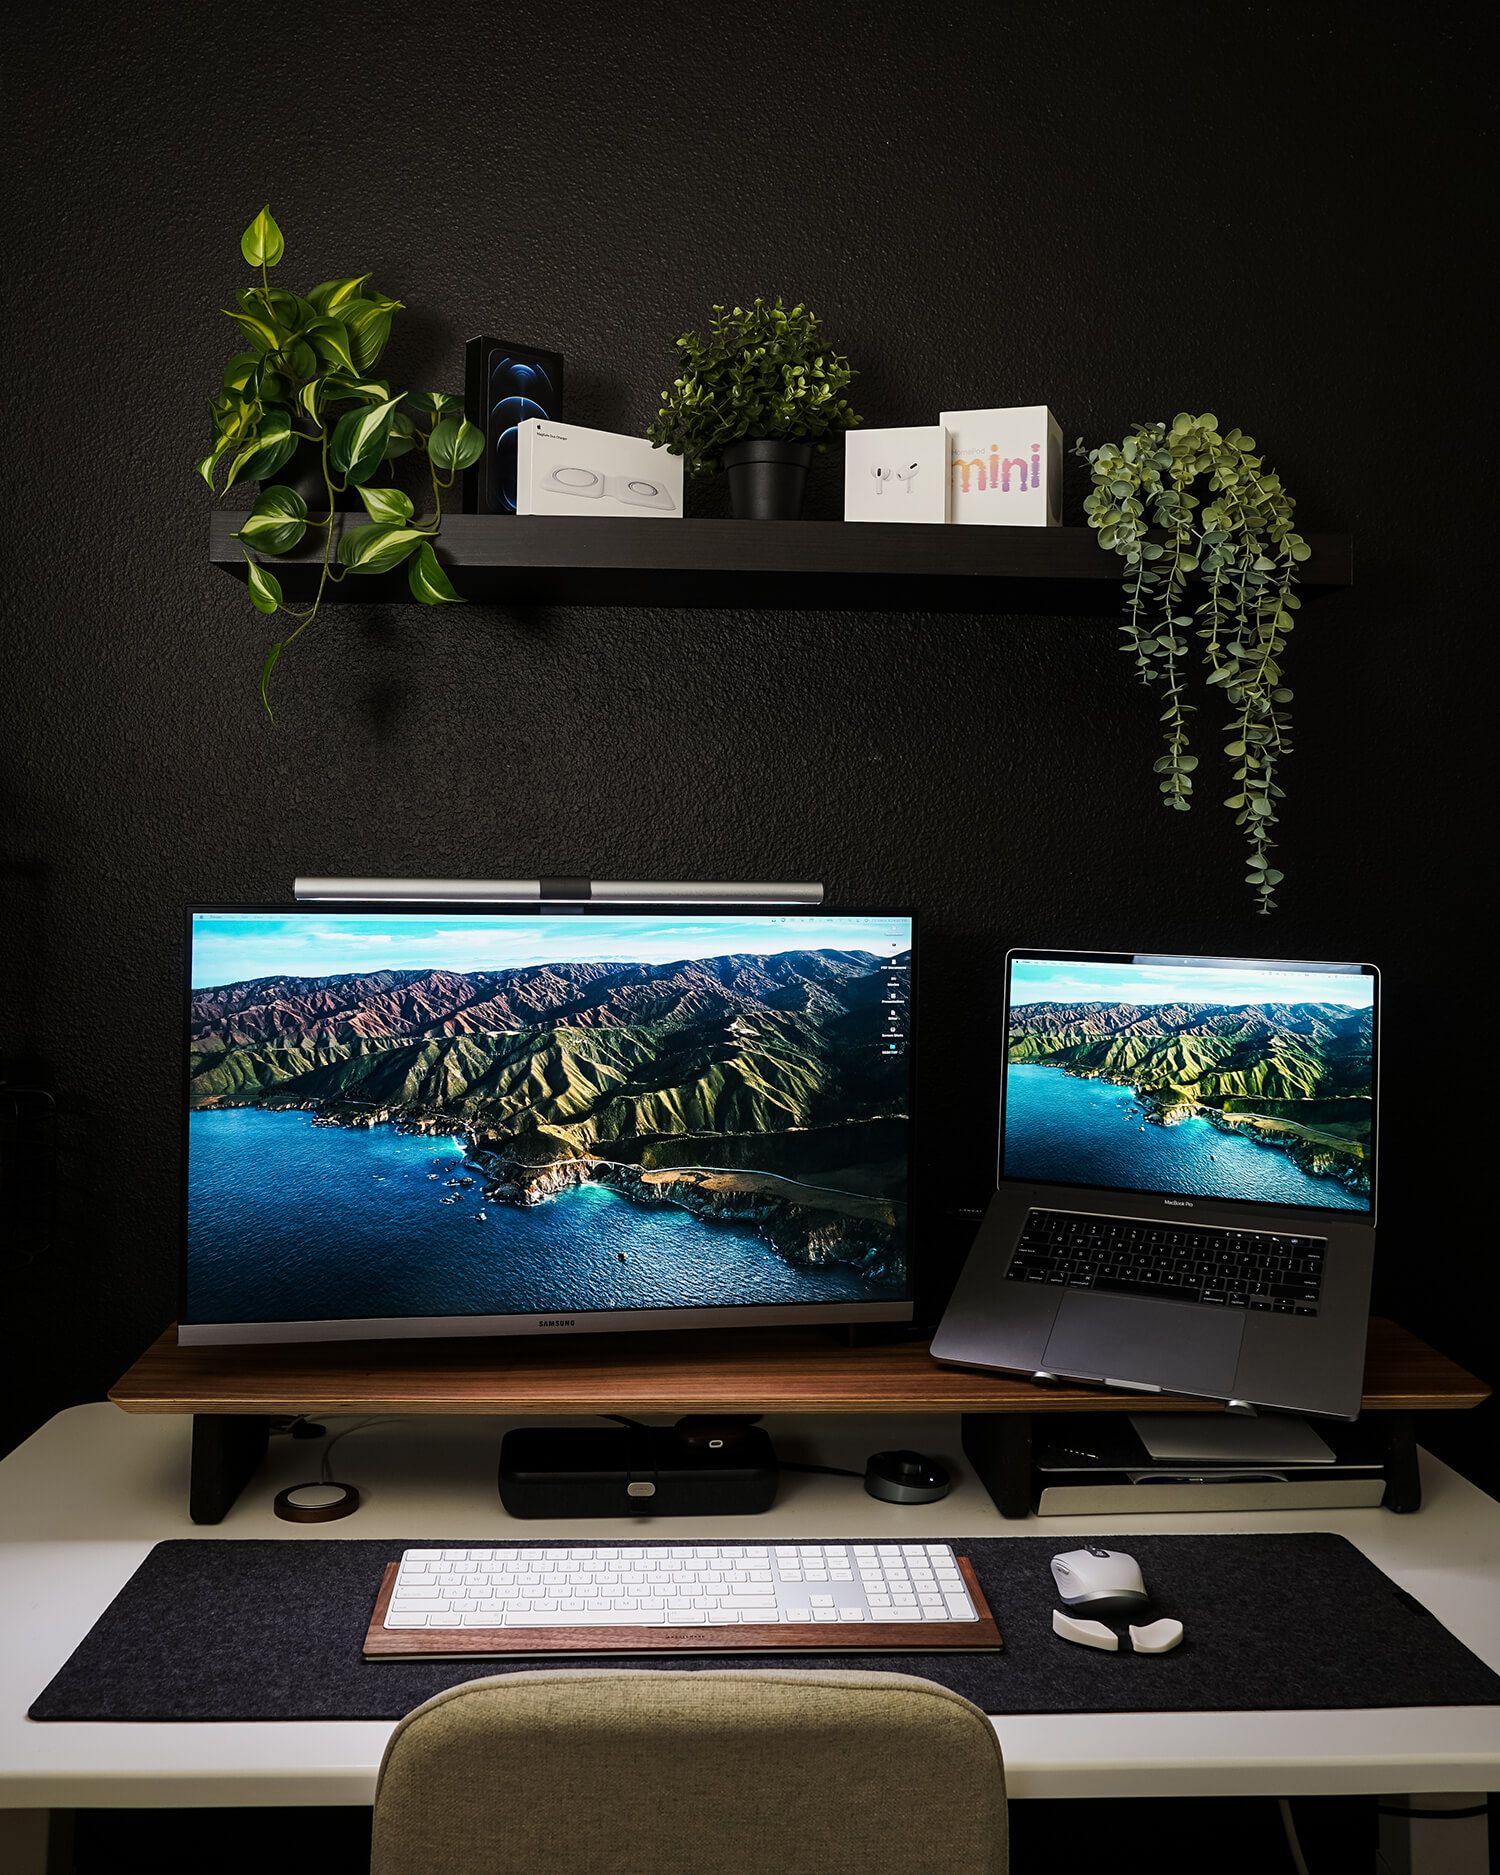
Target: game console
564	469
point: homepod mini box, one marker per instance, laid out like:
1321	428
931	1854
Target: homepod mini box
562	469
896	475
1005	466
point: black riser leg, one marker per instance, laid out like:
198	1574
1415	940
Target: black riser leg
1403	1476
998	1446
227	1448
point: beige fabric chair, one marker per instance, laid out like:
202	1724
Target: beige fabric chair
742	1772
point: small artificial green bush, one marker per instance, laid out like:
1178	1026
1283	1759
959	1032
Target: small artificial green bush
761	371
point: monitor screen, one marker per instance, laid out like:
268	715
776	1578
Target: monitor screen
472	1121
1206	1077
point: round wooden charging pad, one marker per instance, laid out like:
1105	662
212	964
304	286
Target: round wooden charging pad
316	1503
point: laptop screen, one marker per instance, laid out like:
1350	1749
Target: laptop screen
1251	1081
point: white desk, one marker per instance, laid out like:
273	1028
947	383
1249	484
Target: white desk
83	1501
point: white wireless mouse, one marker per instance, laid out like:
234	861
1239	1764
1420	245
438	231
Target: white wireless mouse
1102	1581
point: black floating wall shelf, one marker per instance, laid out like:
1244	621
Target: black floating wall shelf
785	565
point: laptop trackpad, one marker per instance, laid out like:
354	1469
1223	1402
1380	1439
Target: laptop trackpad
1172	1345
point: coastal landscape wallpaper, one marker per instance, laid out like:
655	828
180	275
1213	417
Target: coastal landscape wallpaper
1248	1082
406	1115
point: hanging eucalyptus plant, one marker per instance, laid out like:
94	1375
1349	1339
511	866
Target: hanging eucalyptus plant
305	385
1225	570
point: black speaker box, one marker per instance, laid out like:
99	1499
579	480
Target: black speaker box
645	1471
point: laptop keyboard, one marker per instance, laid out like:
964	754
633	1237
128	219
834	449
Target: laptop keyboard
1236	1269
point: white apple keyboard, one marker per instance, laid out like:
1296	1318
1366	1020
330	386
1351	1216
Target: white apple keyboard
813	1596
700	1584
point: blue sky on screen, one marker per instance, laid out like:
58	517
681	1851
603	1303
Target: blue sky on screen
1076	981
233	947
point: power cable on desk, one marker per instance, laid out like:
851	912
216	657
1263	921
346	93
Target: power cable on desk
311	1502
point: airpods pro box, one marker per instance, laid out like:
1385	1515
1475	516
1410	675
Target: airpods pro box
1005	466
562	469
896	475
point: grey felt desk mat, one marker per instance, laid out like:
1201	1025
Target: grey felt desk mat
210	1629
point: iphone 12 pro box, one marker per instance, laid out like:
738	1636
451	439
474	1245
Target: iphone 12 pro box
563	469
504	384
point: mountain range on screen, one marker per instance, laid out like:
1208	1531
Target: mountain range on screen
1294	1075
744	1086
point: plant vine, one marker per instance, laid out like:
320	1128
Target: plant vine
1239	540
310	356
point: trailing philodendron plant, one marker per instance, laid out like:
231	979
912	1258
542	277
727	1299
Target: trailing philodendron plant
761	371
305	385
1225	570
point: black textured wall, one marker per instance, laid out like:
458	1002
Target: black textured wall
1267	210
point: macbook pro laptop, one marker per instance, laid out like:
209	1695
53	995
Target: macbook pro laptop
1186	1192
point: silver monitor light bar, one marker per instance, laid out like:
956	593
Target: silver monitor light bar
554	892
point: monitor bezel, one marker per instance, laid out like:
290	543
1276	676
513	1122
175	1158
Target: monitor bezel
1044	954
612	1321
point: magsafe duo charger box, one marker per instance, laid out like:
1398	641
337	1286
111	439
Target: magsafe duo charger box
896	475
1005	466
562	469
504	384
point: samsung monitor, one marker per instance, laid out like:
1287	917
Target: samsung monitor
1246	1080
469	1122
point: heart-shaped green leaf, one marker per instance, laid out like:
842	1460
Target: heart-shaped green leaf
432	403
369	324
403	437
341	389
261	243
298	360
277	521
276	306
266	452
265	588
330	341
232	416
454	444
386	504
376	548
260	332
430	585
238	371
309	396
272	658
329	295
359	440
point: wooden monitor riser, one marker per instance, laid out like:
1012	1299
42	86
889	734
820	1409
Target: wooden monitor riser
234	1393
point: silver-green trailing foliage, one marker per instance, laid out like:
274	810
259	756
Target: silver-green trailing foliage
762	371
1225	572
307	380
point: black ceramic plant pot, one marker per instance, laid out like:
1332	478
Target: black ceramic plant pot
767	477
303	471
